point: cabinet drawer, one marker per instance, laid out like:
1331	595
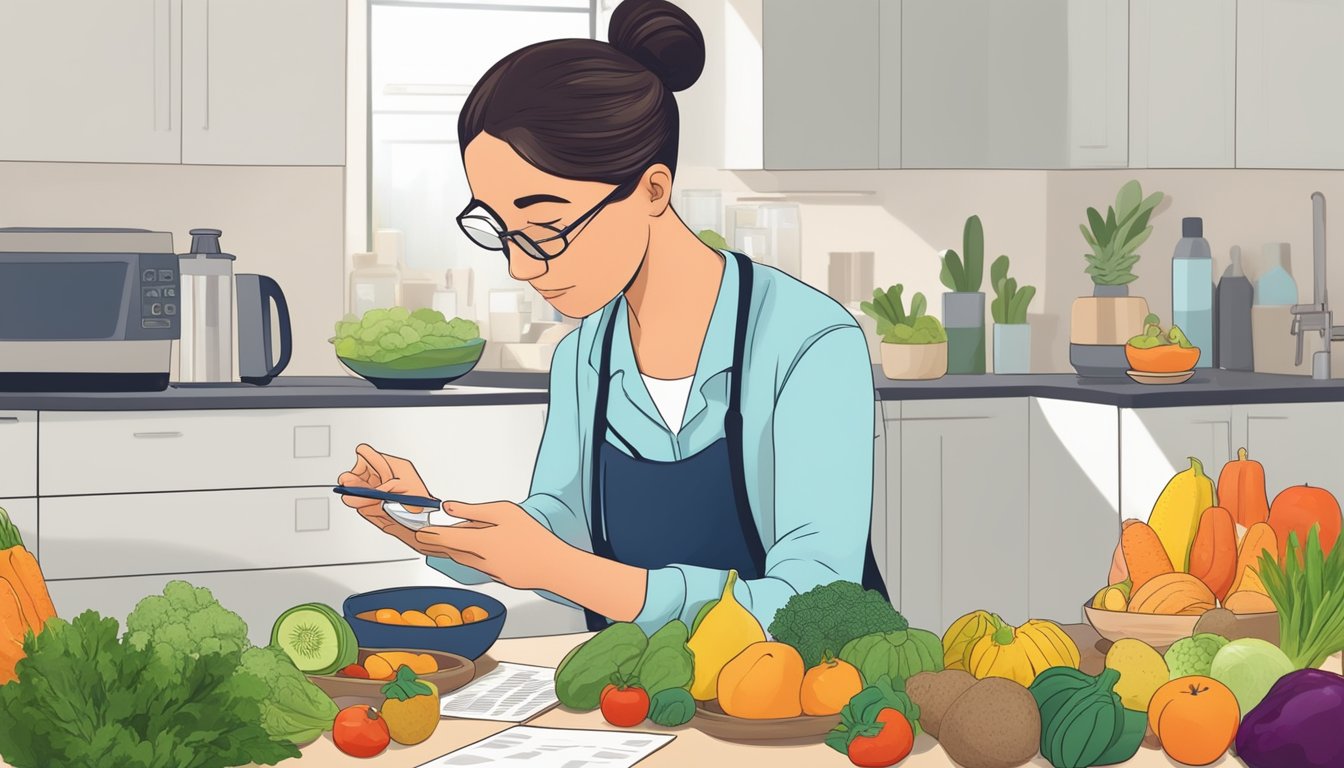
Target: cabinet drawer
23	513
485	451
18	448
129	535
260	596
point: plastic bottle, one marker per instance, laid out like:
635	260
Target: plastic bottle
1276	286
1192	288
1235	295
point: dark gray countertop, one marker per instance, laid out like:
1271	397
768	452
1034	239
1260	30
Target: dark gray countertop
476	388
1208	387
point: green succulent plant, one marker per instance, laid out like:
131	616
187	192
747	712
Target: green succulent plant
895	325
965	277
1116	237
1010	303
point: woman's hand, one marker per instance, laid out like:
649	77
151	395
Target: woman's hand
499	539
385	473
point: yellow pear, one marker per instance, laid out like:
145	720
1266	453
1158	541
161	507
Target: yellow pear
726	631
1175	516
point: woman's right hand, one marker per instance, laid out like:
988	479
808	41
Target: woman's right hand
389	473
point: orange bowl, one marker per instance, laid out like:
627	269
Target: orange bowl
1168	358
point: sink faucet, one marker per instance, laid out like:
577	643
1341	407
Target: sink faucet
1317	317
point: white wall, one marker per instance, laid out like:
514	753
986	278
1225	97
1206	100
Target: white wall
286	222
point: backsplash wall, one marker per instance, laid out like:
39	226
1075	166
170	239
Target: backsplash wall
286	222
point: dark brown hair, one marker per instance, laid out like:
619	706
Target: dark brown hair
589	110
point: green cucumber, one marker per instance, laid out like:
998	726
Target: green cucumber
316	638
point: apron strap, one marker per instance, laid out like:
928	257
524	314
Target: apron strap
596	527
732	426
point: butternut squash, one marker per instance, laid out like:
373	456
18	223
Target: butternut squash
1241	490
1172	594
1213	556
1259	538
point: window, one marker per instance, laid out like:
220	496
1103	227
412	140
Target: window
424	57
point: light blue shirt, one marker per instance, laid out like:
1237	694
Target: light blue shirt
808	426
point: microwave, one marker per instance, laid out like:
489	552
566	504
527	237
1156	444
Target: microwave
87	310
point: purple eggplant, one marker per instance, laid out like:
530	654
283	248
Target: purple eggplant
1299	723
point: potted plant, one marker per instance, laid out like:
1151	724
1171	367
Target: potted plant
1102	323
914	345
964	306
1012	335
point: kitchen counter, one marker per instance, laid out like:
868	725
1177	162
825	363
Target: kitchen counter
476	388
1208	387
691	747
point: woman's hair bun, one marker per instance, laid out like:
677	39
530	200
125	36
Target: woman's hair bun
662	37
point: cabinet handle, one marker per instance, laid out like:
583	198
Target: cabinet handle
9	419
156	435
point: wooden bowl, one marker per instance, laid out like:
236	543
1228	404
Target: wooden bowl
1160	631
454	672
710	719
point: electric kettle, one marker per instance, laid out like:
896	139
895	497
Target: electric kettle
209	291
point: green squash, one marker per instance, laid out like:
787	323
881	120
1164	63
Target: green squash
899	655
1083	723
583	674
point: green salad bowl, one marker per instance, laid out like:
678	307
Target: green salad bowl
431	369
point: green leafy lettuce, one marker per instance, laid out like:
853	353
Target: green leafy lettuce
85	698
295	710
384	335
184	622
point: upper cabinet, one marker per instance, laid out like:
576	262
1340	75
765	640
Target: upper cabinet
91	81
1290	84
1027	84
263	82
1183	88
821	84
174	81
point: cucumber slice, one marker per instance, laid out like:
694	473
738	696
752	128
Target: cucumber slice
315	638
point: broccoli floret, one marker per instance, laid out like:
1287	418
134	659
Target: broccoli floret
1193	655
821	620
185	621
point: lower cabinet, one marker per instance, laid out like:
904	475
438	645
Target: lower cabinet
23	513
1156	443
1296	443
260	596
964	517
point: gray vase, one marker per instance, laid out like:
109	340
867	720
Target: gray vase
964	319
1012	348
1110	290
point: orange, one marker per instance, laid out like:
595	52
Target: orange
762	682
1195	718
829	686
473	613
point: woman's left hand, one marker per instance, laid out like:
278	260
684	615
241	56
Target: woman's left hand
499	539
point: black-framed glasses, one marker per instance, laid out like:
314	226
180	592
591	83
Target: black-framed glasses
479	222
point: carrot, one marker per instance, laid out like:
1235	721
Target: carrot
22	562
1213	556
13	628
1145	557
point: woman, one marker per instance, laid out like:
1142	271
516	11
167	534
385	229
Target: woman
707	415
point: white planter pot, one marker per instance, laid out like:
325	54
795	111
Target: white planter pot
914	362
1012	348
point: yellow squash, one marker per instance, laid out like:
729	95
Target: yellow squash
1022	653
962	636
1176	514
726	631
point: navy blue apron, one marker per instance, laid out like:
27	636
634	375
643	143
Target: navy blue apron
694	511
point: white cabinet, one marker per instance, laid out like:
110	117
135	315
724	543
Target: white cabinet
90	81
1074	504
889	84
261	596
964	519
821	66
237	82
1183	88
23	513
1157	443
1296	443
1290	84
263	82
1028	84
18	453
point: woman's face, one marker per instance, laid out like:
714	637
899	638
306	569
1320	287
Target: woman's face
604	252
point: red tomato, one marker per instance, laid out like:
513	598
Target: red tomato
890	746
360	732
624	706
354	670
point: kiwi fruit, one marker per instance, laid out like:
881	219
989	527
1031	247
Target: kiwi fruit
934	692
994	724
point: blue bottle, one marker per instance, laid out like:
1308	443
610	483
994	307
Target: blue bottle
1192	288
1276	286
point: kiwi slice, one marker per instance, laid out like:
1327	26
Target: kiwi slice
316	638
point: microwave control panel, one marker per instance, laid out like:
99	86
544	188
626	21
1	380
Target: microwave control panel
159	298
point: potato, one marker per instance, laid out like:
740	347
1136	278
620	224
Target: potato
994	724
934	692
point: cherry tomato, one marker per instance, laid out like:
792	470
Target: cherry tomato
889	746
354	670
360	732
624	706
